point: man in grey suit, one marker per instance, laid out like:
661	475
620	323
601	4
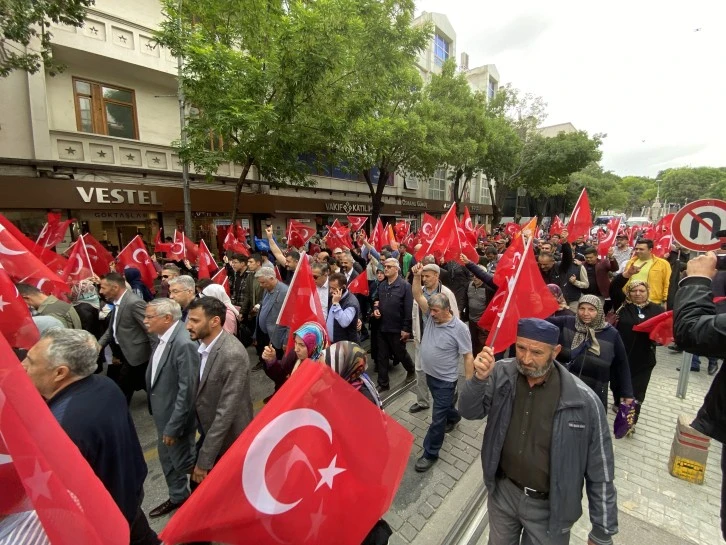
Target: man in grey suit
171	383
126	334
267	328
223	403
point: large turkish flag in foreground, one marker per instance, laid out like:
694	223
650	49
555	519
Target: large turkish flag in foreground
319	464
42	471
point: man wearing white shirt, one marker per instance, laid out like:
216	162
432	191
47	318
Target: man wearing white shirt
223	403
171	381
320	275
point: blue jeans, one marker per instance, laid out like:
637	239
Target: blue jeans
696	362
442	413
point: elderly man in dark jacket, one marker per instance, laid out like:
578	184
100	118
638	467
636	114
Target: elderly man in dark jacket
546	431
343	311
699	329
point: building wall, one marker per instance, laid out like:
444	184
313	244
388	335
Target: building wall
16	135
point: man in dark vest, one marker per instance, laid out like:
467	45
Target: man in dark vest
343	311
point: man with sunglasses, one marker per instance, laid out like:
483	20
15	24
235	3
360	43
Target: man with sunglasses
168	272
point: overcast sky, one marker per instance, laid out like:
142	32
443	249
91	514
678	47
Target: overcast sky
637	70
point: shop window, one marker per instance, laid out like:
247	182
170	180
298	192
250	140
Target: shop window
105	109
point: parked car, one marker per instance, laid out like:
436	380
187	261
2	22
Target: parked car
637	221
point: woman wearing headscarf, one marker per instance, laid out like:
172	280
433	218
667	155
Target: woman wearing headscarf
349	361
633	308
310	341
230	320
87	304
133	277
564	309
594	349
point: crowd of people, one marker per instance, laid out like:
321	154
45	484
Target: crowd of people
187	347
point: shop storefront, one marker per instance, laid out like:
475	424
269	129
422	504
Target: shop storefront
115	212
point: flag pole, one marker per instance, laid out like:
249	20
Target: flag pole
527	248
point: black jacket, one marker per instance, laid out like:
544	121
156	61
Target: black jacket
559	273
94	414
700	330
395	302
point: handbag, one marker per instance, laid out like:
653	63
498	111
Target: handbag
624	420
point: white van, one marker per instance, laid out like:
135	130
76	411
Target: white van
637	221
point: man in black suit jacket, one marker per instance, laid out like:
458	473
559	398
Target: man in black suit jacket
126	333
171	383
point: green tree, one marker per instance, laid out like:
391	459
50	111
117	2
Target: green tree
603	188
682	185
24	21
639	192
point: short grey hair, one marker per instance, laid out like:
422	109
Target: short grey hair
322	267
163	306
184	281
266	272
428	260
75	348
439	300
392	261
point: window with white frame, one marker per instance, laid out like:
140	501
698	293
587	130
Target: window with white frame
441	49
491	88
437	185
484	196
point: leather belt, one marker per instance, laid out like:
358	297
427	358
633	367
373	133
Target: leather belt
530	492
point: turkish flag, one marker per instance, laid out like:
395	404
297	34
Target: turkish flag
298	233
301	472
205	261
446	237
512	229
338	236
191	250
176	249
581	218
659	328
79	263
22	266
53	232
468	227
135	255
16	324
160	245
359	284
401	230
42	470
222	279
52	260
525	295
356	223
509	262
301	303
608	241
556	226
378	236
481	231
663	227
234	243
100	257
428	229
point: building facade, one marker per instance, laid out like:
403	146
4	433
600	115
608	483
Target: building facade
95	142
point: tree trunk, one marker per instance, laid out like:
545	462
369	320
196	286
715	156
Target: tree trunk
457	193
238	188
497	202
377	195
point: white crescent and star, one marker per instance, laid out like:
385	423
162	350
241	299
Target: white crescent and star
146	258
3	304
7	251
79	265
254	483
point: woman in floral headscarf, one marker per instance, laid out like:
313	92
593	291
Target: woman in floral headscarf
310	340
594	349
349	361
633	308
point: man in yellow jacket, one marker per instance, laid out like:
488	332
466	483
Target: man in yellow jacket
651	269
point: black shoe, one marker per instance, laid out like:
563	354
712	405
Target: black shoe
410	376
164	509
382	389
673	347
424	464
259	367
415	408
712	368
451	426
693	369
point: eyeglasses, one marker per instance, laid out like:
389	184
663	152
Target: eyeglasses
147	317
174	292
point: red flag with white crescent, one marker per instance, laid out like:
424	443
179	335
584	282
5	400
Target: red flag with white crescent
43	476
556	226
299	472
581	219
466	224
135	255
205	261
356	223
298	233
53	232
608	241
100	257
53	261
222	279
79	265
359	285
428	229
16	324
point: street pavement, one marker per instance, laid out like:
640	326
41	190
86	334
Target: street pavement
654	507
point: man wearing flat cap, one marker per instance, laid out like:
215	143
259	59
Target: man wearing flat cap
545	437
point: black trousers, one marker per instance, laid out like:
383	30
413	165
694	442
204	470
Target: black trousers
130	378
140	531
390	344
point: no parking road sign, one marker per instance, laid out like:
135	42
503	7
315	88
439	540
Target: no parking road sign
696	225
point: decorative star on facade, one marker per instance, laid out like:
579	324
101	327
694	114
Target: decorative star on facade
70	150
156	160
101	153
122	39
94	30
130	157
